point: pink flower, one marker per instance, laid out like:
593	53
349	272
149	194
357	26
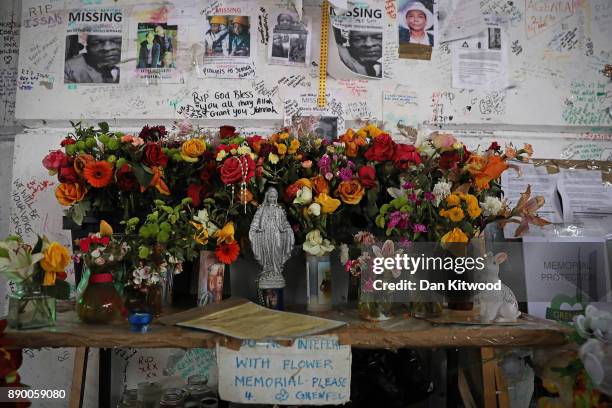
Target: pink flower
408	186
429	196
412	197
398	219
443	141
55	160
329	176
184	127
365	238
345	174
307	164
133	140
419	228
324	162
368	286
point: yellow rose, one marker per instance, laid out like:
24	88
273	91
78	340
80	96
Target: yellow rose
55	260
226	234
192	149
293	146
273	158
281	148
328	204
453	200
456	235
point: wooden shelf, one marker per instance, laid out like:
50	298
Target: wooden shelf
399	332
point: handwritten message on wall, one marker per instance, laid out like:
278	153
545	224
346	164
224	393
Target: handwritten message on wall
314	371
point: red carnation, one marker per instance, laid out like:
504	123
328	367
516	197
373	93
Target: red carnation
67	141
154	155
405	155
367	176
126	180
382	149
226	132
84	244
237	169
193	192
68	174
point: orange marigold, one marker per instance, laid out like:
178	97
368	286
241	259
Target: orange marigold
99	173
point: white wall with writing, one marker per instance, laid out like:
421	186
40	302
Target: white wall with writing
557	51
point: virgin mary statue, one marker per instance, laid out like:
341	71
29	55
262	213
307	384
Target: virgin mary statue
272	240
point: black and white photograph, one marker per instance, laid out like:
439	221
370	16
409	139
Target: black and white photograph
94	45
356	42
416	24
322	126
495	42
290	43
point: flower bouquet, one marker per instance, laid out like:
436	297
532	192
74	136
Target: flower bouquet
98	300
39	273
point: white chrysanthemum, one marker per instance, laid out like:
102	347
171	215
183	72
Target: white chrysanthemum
441	190
491	206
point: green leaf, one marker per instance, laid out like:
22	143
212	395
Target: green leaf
78	211
103	127
144	178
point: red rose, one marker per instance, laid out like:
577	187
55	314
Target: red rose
154	155
367	176
84	244
494	146
255	142
237	169
382	149
226	132
448	159
67	141
405	155
126	180
55	160
193	192
68	175
291	192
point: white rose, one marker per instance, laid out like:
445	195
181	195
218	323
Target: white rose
315	209
303	196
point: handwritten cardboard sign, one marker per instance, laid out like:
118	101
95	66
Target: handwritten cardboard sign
314	371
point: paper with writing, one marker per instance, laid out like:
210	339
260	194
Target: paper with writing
586	199
463	19
314	371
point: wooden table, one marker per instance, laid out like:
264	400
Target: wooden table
399	332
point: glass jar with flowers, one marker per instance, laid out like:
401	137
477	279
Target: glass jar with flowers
97	298
161	242
39	275
318	272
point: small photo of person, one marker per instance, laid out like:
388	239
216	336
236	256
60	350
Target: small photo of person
215	283
297	48
416	23
290	43
92	58
156	46
227	36
360	51
494	38
280	45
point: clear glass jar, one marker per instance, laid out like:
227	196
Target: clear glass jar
172	397
130	400
318	283
29	308
196	390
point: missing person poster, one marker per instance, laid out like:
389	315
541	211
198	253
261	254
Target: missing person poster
417	24
229	41
290	43
93	46
154	47
356	41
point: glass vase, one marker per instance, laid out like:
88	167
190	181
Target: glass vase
426	310
99	302
373	308
29	308
318	283
146	299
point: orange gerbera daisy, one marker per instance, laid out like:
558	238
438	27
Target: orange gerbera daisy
228	253
98	173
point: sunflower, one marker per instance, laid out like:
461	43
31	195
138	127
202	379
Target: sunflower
228	253
98	173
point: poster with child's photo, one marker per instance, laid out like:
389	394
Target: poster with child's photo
417	25
290	43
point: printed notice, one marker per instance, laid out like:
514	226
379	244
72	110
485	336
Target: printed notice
463	19
481	62
586	199
314	371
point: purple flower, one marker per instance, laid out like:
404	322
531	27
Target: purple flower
408	186
419	228
335	157
368	286
345	174
412	197
324	161
405	243
398	219
429	196
350	165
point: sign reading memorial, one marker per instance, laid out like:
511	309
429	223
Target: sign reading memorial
314	371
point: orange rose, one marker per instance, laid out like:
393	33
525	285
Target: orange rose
303	182
320	185
81	161
352	142
350	191
69	193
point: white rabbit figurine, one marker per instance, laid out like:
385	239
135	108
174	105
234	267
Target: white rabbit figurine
497	306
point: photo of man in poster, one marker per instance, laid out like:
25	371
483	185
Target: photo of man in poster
216	38
92	58
360	51
416	24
